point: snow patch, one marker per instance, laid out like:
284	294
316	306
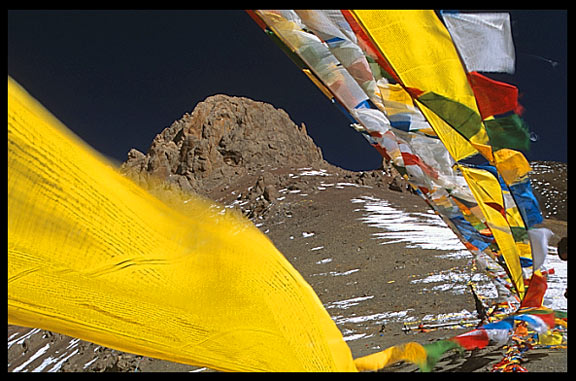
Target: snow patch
415	230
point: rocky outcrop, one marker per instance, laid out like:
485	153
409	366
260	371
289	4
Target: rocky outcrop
223	137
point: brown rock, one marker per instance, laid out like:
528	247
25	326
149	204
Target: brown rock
223	137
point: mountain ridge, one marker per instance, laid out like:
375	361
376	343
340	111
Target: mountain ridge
223	137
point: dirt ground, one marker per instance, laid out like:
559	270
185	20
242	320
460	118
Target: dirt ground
370	286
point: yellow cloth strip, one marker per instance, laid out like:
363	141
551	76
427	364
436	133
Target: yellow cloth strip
412	352
94	256
458	147
420	50
486	189
512	165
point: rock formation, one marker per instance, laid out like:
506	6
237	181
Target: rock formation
223	137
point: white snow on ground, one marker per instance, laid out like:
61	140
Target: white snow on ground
416	230
20	339
345	304
39	353
557	282
428	231
313	172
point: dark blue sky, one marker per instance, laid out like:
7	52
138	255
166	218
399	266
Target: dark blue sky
117	78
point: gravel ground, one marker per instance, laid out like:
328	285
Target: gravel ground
371	254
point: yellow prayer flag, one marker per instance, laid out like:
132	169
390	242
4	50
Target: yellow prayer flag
94	256
487	191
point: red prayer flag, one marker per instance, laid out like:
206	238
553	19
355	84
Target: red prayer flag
536	290
477	338
493	97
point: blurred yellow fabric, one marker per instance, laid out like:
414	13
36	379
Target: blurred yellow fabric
94	256
412	352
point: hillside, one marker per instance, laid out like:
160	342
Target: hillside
375	254
549	180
